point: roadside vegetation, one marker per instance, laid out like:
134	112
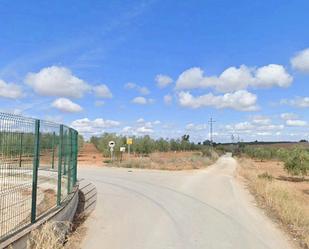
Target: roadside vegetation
170	160
295	158
164	154
278	178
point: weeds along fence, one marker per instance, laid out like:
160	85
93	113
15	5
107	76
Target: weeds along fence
38	170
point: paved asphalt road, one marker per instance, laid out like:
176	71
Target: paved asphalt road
201	209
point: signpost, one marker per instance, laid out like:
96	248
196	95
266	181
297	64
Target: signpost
122	150
111	145
129	142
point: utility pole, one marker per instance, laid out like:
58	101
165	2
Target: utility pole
211	121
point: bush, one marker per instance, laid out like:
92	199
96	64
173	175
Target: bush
297	162
266	176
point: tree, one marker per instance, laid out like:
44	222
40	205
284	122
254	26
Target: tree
185	137
297	162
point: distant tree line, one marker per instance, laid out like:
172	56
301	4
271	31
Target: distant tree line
146	144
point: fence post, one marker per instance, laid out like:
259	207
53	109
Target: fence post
65	153
75	155
21	149
69	172
36	162
53	151
59	165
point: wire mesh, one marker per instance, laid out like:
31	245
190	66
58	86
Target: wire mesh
27	192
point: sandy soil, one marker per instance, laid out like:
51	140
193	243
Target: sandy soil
89	155
276	169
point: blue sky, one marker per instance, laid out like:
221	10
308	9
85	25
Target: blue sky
159	67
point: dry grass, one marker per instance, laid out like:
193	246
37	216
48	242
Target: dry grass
58	234
284	200
169	161
50	236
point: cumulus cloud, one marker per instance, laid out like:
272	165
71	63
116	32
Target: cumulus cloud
163	80
254	128
141	127
10	90
148	124
143	130
57	81
141	89
137	131
102	91
196	127
301	61
234	79
66	105
168	99
93	127
302	102
261	120
296	122
140	120
240	100
142	100
288	115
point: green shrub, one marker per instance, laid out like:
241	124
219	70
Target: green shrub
297	162
266	176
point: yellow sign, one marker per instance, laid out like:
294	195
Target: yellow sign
129	141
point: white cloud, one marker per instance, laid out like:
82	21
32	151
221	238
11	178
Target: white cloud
10	90
301	61
130	85
233	79
143	130
137	131
296	122
287	115
239	100
57	81
302	102
127	129
163	80
168	99
66	105
93	127
261	120
142	100
141	127
141	89
99	103
149	124
102	91
251	128
140	120
196	127
272	75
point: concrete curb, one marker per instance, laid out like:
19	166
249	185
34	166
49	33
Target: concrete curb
81	202
65	213
87	197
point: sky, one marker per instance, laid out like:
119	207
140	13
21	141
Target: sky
159	68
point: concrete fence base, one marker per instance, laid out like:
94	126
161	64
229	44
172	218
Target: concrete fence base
81	202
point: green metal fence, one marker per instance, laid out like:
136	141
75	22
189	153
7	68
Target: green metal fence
38	170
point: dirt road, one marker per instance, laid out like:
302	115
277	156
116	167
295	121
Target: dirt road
202	209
